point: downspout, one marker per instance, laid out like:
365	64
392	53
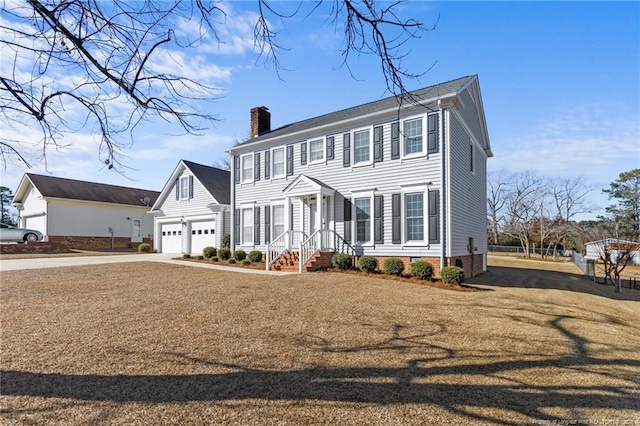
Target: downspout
232	230
443	213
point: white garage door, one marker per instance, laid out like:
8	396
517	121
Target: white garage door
35	222
203	234
171	238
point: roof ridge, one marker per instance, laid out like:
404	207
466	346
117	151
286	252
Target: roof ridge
86	181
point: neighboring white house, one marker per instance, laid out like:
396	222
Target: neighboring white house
192	211
84	214
399	177
596	249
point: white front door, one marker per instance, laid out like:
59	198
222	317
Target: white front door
136	230
311	222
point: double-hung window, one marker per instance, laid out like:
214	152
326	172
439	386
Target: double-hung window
413	137
414	217
361	147
277	163
184	187
363	220
247	168
316	151
277	220
247	226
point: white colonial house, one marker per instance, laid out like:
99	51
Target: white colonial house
398	177
192	211
84	214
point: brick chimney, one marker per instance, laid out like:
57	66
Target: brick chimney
260	121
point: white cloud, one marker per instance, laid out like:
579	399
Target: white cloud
596	140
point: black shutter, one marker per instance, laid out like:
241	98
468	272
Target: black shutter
303	153
236	227
267	164
177	188
256	225
378	219
347	220
289	160
267	224
395	140
434	216
191	186
346	149
256	166
396	225
236	168
377	144
432	133
330	147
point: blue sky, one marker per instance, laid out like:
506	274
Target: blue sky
560	83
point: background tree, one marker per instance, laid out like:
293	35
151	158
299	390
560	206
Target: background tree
104	66
625	213
8	215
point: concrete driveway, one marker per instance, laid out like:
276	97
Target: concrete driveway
57	262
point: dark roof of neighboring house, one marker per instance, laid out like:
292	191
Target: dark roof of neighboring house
216	181
431	92
56	187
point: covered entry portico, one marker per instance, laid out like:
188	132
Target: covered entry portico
309	222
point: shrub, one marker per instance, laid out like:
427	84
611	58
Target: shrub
224	253
452	275
342	261
255	256
144	248
393	266
240	254
232	261
186	256
200	257
214	259
246	262
367	263
422	270
226	240
209	251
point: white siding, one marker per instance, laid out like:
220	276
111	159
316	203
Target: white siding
91	219
192	211
384	178
467	192
33	205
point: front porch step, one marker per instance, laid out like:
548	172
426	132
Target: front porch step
290	261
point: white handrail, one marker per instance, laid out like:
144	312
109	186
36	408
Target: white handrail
284	242
320	240
309	248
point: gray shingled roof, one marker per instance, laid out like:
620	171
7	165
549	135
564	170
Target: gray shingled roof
56	187
216	181
431	92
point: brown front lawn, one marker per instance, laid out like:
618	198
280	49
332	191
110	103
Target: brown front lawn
151	343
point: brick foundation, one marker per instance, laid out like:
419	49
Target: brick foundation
92	243
435	261
38	247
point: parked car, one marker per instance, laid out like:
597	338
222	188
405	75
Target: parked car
20	235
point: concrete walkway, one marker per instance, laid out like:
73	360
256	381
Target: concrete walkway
57	262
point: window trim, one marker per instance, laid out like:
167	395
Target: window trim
273	221
242	225
242	168
423	150
411	189
368	162
406	218
323	145
472	155
284	162
370	195
184	195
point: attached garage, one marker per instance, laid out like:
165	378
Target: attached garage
202	235
171	234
